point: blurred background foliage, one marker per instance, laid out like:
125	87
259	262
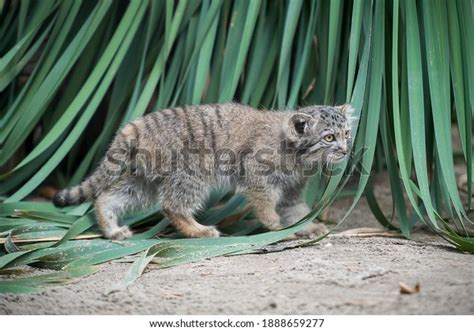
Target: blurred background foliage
73	71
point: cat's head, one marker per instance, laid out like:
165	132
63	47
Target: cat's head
322	133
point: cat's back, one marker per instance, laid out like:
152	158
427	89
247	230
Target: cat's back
217	125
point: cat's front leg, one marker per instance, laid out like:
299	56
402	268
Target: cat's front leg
293	211
264	203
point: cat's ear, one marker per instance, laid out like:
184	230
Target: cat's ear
300	125
347	109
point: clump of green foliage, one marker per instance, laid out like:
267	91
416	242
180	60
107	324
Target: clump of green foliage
73	71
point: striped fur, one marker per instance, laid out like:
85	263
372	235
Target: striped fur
175	157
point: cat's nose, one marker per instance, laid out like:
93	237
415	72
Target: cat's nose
343	149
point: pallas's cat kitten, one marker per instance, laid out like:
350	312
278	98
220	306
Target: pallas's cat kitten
175	157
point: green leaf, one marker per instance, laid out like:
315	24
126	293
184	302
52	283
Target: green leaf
242	23
37	283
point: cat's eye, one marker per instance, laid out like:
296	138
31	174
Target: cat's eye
347	134
329	138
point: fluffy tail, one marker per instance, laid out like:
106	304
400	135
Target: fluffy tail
120	152
77	194
105	175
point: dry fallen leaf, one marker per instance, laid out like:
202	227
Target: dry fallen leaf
369	232
405	289
33	240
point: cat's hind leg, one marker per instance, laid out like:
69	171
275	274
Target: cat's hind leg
109	206
182	197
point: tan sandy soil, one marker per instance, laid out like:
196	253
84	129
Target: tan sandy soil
353	275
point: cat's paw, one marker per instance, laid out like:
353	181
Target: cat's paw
313	230
206	232
121	233
273	226
271	222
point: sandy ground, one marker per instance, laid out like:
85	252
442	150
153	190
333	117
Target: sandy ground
340	275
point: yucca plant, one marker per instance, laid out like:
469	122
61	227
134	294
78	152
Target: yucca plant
72	72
